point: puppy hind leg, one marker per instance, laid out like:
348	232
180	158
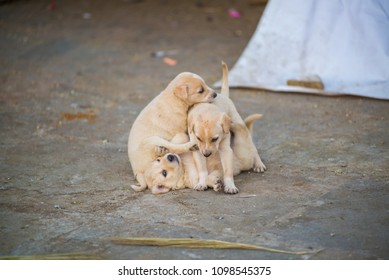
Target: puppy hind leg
226	157
258	164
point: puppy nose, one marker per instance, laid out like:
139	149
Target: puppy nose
171	158
207	153
214	95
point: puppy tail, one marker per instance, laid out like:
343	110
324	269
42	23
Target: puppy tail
138	188
225	88
249	121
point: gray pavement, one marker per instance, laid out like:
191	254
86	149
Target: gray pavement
75	76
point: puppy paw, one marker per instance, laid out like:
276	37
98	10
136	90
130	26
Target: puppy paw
138	188
218	186
194	148
200	187
260	168
160	150
231	189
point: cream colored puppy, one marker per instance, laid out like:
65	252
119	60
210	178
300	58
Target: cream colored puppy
210	125
172	171
165	173
161	120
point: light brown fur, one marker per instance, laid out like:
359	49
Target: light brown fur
183	172
210	125
161	120
180	172
187	170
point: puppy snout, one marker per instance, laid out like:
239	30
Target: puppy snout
214	94
171	158
207	153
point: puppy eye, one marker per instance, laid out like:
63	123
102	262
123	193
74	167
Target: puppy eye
214	139
158	160
201	90
198	138
164	173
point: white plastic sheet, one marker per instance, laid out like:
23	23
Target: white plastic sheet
345	43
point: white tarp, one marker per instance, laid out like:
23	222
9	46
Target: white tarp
345	43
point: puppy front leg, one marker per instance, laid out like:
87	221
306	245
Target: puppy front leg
227	158
171	147
201	165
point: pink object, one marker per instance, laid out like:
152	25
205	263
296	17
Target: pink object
233	13
52	5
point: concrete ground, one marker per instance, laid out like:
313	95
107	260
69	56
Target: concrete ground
75	74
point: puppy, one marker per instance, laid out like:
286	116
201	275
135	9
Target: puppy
173	171
210	126
161	120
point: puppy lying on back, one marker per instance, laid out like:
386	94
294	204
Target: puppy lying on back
172	171
159	122
210	126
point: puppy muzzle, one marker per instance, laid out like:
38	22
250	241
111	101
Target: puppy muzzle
212	96
207	153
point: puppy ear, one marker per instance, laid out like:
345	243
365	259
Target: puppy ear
190	128
148	178
191	124
181	91
159	189
181	183
225	123
237	127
